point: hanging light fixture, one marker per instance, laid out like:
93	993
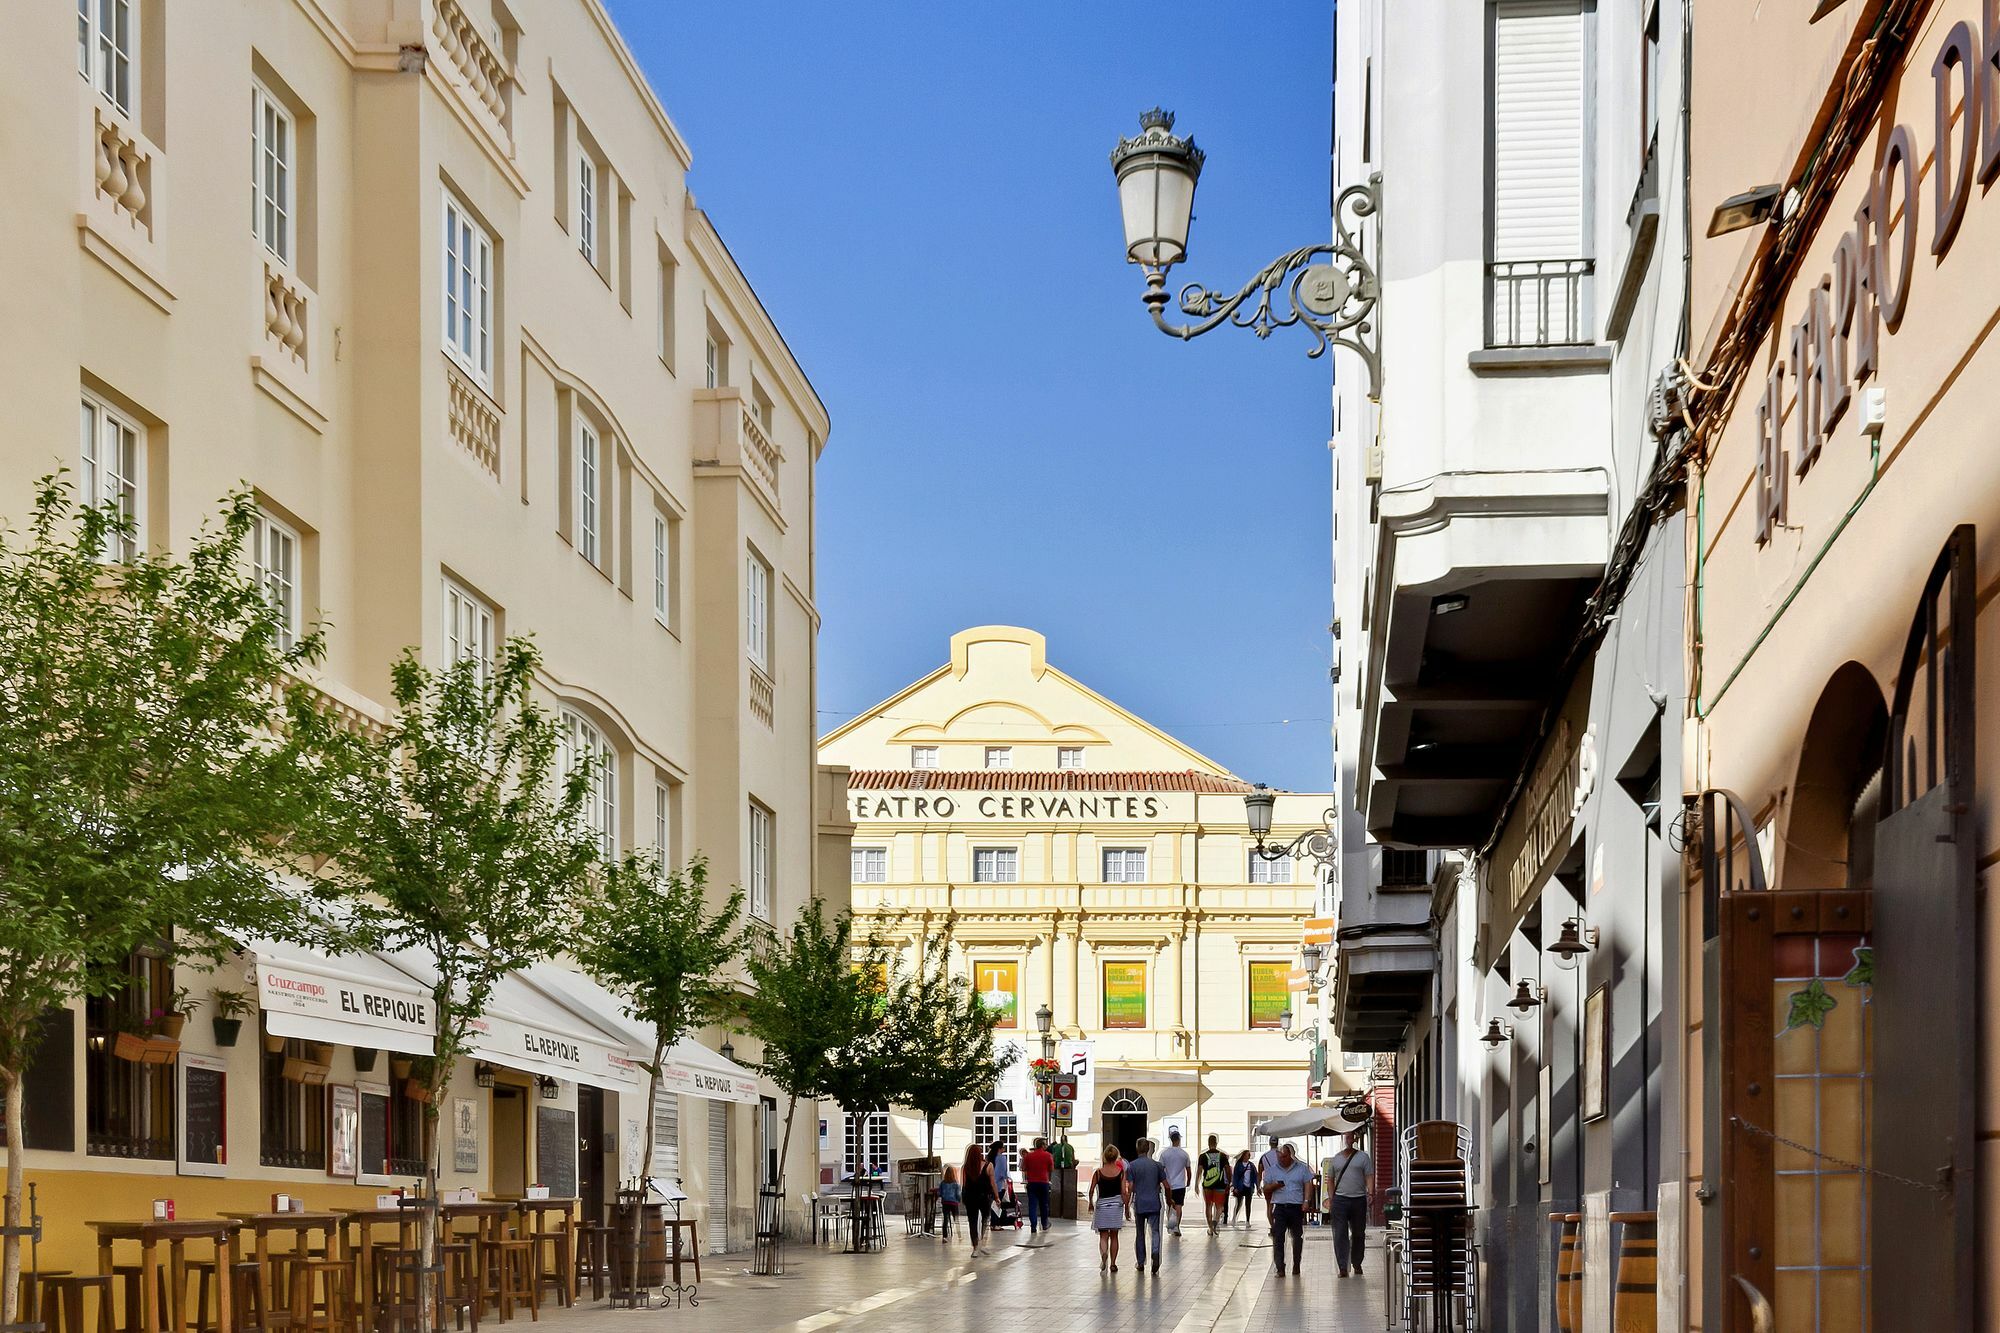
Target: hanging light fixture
1570	941
1496	1032
551	1089
482	1074
1524	996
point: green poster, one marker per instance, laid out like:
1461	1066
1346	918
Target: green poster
1270	994
1124	995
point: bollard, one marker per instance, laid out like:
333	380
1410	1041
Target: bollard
1635	1307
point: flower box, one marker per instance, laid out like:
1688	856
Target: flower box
416	1090
309	1072
160	1051
130	1046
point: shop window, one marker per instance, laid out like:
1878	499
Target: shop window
129	1103
408	1154
994	1119
48	1086
866	1147
293	1117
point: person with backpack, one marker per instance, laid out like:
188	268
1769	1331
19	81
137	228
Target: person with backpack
1212	1170
1351	1170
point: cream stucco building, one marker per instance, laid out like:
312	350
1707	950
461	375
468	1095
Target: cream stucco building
1083	859
426	275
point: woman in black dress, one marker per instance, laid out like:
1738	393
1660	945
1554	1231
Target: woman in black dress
979	1192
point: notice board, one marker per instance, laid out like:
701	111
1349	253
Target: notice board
204	1147
555	1151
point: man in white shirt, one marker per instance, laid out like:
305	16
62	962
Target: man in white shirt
1264	1166
1285	1192
1174	1162
1350	1170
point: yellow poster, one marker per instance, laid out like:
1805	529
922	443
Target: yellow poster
1124	995
1270	994
999	985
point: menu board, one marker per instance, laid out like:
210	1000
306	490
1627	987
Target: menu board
555	1151
204	1116
1270	994
1124	995
999	986
373	1161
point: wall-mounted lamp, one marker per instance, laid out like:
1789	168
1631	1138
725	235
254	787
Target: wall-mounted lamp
1745	210
482	1074
1573	939
1496	1032
1449	603
1526	996
1304	1034
551	1089
728	1051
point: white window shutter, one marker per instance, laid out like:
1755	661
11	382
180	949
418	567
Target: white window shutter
1538	130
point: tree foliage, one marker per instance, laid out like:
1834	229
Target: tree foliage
148	779
459	831
942	1032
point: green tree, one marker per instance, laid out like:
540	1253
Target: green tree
818	1006
461	827
148	779
943	1036
649	938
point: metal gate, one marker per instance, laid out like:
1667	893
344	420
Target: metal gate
718	1177
1925	1214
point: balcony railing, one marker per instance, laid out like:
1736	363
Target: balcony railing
483	72
762	695
1537	302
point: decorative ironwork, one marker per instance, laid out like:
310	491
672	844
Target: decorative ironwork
1321	844
1335	300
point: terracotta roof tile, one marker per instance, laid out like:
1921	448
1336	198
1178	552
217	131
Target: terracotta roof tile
1015	779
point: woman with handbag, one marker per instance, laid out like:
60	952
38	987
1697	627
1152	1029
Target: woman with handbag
1108	1207
979	1193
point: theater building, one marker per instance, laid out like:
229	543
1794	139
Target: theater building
1084	860
1845	526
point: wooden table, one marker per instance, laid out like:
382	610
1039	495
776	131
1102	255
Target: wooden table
357	1237
542	1218
490	1218
300	1226
149	1236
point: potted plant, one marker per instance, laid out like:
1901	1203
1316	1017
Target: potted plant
364	1059
231	1007
401	1065
129	1043
417	1086
170	1018
321	1052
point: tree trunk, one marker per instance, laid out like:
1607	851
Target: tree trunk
433	1267
17	1165
645	1169
930	1135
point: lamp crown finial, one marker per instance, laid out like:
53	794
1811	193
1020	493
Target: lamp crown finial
1156	119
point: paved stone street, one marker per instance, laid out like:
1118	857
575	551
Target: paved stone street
1206	1284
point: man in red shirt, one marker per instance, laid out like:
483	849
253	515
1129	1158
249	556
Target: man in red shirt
1036	1165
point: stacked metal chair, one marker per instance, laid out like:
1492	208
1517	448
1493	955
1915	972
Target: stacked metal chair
1440	1263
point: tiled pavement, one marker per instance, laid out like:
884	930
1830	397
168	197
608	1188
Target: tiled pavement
1207	1284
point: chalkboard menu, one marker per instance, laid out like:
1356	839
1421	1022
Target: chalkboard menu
374	1160
204	1116
555	1151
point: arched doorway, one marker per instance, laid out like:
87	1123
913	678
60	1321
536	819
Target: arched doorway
1124	1120
1837	794
993	1121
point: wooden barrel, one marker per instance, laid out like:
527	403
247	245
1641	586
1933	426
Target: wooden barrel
1635	1307
1569	1273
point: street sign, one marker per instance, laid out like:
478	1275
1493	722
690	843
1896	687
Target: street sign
1063	1090
1062	1113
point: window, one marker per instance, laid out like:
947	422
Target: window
999	988
468	292
107	41
1124	865
1124	995
1270	872
1270	995
583	743
409	1153
712	363
1539	259
663	326
666	1135
757	609
274	562
468	630
271	173
760	862
662	570
589	483
663	825
760	406
586	206
865	1150
996	865
1354	1062
1069	756
870	865
112	449
999	756
995	1119
292	1118
923	756
129	1106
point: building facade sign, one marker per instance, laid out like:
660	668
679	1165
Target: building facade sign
1029	807
290	988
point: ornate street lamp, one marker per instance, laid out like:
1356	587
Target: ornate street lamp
1335	300
1307	1034
1322	844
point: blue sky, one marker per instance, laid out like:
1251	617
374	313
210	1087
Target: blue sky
921	195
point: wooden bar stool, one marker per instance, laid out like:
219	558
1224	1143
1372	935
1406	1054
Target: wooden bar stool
514	1265
458	1289
593	1257
322	1290
554	1263
128	1276
246	1297
396	1275
30	1294
61	1301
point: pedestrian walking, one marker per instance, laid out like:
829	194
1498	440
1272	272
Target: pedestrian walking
950	1197
1243	1184
1037	1165
1107	1206
1285	1191
1146	1199
1003	1185
1212	1171
1264	1165
979	1195
1352	1171
1174	1162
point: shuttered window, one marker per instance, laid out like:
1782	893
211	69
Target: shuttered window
718	1177
666	1136
1537	129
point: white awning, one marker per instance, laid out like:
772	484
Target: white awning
689	1067
1310	1120
350	999
526	1029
